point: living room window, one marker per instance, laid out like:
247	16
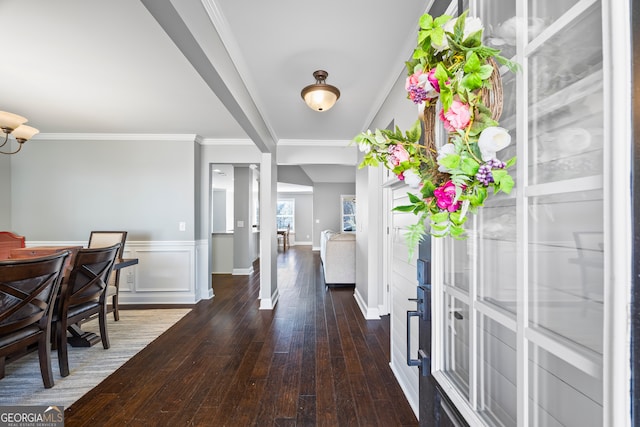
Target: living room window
348	212
285	213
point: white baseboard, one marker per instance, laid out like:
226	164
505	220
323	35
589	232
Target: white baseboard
242	271
270	303
368	313
315	248
208	294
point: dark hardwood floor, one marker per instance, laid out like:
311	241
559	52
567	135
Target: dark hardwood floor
313	360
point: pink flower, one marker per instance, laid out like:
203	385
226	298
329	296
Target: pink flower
413	79
432	79
445	197
457	117
397	155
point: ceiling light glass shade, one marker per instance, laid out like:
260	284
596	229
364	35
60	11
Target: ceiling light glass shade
320	96
10	121
24	133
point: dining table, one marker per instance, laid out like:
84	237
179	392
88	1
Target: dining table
79	338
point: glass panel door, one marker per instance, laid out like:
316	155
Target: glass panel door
522	301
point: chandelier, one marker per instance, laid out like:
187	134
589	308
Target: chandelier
320	96
14	124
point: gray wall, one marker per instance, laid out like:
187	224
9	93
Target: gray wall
303	216
5	193
64	189
242	217
219	210
293	175
326	207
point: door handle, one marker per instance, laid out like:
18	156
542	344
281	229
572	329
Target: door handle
423	361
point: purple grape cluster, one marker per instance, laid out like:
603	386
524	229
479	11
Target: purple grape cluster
417	94
484	175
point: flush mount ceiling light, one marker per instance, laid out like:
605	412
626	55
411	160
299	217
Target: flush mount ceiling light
320	96
13	124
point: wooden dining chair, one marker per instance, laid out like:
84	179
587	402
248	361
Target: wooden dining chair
82	296
8	241
28	288
101	239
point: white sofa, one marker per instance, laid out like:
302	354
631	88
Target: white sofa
338	255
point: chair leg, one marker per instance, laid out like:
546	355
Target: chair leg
44	354
102	319
63	356
114	305
2	366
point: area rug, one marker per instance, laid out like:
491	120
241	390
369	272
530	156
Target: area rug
22	384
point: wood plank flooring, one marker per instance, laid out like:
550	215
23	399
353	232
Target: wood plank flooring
312	361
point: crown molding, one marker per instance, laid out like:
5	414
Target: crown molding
315	142
116	137
225	141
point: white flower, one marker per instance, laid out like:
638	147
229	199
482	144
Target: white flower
443	152
365	148
492	140
411	178
471	25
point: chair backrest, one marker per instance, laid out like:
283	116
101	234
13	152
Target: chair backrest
88	278
8	241
28	288
102	239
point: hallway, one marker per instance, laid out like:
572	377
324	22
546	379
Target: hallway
313	360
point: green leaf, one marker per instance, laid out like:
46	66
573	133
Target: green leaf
437	36
415	234
441	74
443	226
405	208
380	138
506	184
446	97
485	71
440	217
450	161
457	219
441	20
427	189
472	81
472	64
413	198
499	175
469	166
426	21
473	40
456	231
510	162
458	28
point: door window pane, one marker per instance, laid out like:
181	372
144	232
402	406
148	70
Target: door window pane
457	266
457	344
497	254
542	13
566	103
566	260
560	394
498	370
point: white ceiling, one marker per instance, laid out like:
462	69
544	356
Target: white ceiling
132	67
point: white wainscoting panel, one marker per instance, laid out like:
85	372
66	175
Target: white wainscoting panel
165	273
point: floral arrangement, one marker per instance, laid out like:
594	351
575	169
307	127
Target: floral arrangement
450	65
